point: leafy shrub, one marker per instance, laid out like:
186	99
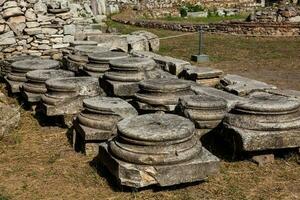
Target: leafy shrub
188	7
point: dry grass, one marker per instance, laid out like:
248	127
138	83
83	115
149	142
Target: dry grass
39	162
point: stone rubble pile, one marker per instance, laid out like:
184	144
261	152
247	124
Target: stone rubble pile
17	76
157	149
161	94
98	122
265	121
35	86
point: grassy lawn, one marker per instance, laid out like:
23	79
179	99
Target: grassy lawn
273	60
41	164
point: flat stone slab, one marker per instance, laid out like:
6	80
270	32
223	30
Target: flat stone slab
106	57
228	97
195	73
243	86
164	85
156	128
120	89
83	43
41	76
34	64
138	176
133	64
203	102
109	106
267	140
87	49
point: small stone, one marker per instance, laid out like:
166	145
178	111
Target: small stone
40	7
10	4
30	15
70	29
44	47
263	160
33	31
49	31
59	46
12	12
68	39
32	24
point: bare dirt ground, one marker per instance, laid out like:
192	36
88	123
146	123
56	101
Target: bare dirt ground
37	162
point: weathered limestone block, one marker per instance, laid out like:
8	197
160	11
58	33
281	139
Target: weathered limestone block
125	74
12	12
157	149
207	112
153	40
98	121
75	63
137	43
231	99
64	96
88	49
242	86
99	62
9	119
172	65
35	84
161	94
113	42
17	76
265	122
203	75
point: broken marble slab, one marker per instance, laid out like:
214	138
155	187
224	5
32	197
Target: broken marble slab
157	149
172	65
242	86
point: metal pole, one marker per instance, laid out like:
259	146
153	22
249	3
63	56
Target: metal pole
201	38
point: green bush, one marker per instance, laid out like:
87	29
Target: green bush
188	7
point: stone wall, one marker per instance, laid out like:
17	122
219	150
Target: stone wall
152	4
240	28
42	27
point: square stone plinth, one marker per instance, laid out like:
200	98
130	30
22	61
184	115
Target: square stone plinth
70	107
266	140
89	148
138	176
120	89
13	86
31	97
150	108
92	134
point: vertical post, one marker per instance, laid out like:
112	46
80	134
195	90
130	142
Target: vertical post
200	41
201	57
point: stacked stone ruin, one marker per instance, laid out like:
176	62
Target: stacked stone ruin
64	96
207	112
104	91
98	122
265	121
98	63
17	76
123	78
157	149
161	94
34	87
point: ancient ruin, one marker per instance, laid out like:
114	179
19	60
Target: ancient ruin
161	94
98	63
123	78
17	76
34	87
97	123
157	149
207	112
265	121
64	96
